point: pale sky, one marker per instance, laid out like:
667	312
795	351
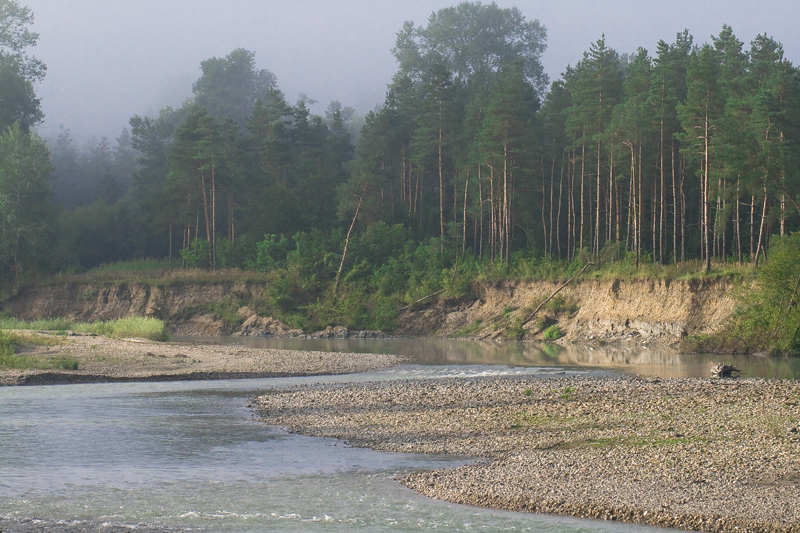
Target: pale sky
108	60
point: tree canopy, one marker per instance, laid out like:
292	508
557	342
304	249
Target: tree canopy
472	40
18	70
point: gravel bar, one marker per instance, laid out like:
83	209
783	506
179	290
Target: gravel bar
701	454
101	359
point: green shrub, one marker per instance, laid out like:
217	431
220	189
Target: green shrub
270	253
50	324
469	330
552	333
768	313
515	331
197	254
139	327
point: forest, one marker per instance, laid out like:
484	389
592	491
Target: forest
474	162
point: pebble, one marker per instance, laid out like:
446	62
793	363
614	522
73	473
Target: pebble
699	454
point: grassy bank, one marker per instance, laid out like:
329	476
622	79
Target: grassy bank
136	327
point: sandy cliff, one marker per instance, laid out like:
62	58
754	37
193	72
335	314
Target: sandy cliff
638	311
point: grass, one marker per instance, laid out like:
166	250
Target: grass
18	362
117	275
9	359
469	330
136	327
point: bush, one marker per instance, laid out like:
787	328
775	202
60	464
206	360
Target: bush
768	314
552	333
197	254
515	331
270	253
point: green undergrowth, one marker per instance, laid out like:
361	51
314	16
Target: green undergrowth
386	273
767	316
131	327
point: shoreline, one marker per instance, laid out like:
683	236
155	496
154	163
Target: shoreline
703	454
104	360
690	453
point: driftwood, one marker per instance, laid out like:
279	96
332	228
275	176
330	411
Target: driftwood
721	370
421	299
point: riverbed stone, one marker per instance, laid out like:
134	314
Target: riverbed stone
713	455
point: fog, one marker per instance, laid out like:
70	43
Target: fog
108	60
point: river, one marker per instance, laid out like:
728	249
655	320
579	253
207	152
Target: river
191	456
632	358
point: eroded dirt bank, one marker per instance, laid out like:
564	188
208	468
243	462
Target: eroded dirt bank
660	311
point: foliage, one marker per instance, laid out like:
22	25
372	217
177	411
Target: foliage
231	86
136	265
18	70
25	211
498	37
552	333
768	315
270	253
515	331
17	362
673	166
197	254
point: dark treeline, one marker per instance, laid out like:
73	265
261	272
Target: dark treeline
683	155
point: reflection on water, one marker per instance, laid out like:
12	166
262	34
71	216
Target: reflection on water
635	359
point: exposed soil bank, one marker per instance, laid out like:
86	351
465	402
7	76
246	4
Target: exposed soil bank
711	455
661	311
101	359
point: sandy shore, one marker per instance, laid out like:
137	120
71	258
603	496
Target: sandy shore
713	455
101	359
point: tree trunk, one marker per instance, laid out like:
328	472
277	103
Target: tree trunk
761	246
347	240
560	197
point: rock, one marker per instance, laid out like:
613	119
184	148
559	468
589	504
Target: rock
721	370
258	326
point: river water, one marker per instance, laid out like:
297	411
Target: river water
191	456
633	358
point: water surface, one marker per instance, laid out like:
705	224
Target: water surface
631	358
191	456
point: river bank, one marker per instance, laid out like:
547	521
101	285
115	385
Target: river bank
712	455
628	312
101	359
